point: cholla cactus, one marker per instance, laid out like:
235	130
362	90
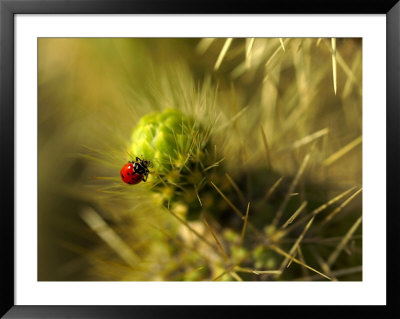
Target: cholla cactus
177	147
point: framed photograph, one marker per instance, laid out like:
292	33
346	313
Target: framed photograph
164	155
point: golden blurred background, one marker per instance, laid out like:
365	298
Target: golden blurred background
298	95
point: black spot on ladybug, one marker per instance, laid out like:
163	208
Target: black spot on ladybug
128	174
122	175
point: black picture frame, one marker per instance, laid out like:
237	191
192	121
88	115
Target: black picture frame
8	10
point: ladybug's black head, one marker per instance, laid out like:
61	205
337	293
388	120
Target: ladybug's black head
144	163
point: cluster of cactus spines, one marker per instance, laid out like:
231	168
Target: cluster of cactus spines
188	180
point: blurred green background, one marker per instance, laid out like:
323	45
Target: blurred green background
92	92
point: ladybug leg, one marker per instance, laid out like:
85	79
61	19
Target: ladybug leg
145	177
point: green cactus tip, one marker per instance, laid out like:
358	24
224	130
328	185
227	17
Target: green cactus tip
168	139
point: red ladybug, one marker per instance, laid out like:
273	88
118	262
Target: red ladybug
135	172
